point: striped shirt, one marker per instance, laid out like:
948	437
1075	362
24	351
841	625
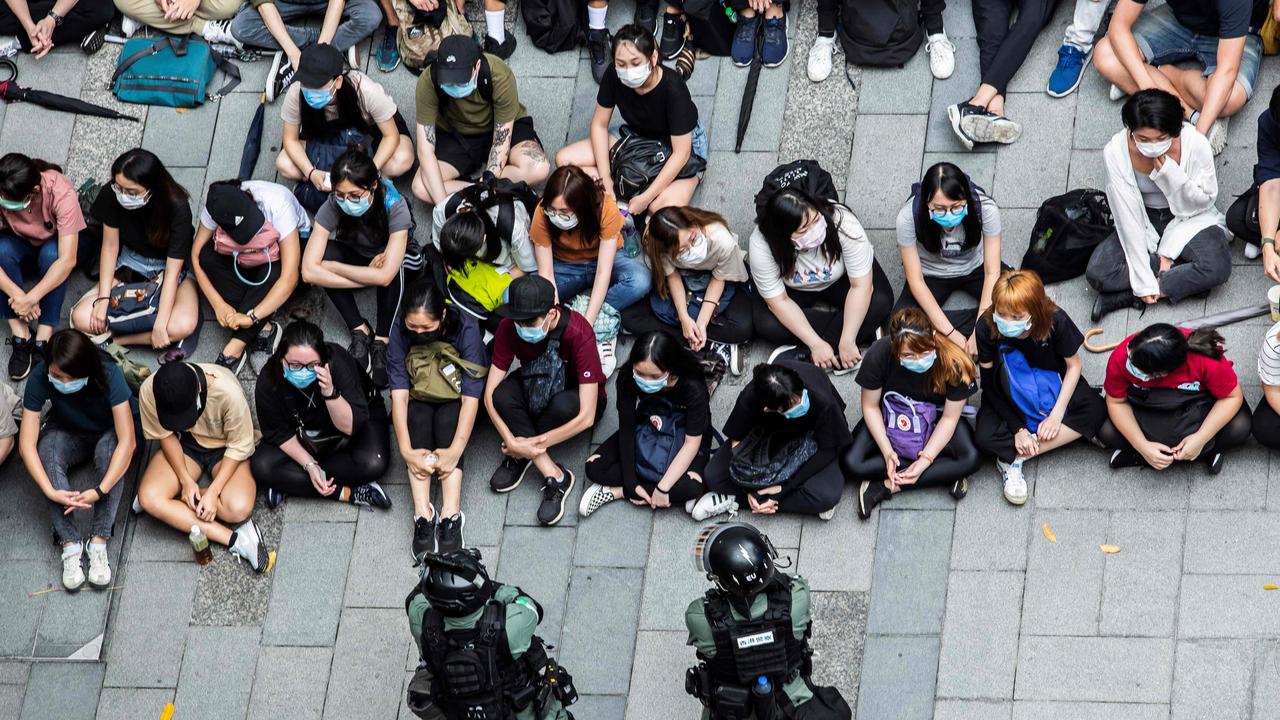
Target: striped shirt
1269	357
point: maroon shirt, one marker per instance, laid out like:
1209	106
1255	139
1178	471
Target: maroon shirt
577	348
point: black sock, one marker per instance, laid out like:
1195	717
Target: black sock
232	541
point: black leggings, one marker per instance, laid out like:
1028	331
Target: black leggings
433	425
1085	413
817	493
512	406
1232	435
1266	424
344	299
84	17
732	326
1002	47
959	459
241	296
362	460
606	470
828	323
942	288
829	14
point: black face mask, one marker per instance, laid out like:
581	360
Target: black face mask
423	338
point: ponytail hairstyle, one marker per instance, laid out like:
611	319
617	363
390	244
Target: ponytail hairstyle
72	352
776	386
662	236
584	195
784	214
911	332
424	296
1017	292
356	167
1161	348
299	333
463	239
955	186
669	354
20	175
143	167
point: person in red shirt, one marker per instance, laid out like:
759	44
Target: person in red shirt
550	398
1172	395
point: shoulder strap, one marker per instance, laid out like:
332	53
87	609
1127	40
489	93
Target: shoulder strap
434	645
226	66
180	46
485	80
151	49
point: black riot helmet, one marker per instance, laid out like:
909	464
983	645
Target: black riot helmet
737	557
456	583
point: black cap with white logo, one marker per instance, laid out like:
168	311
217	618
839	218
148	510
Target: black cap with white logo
456	60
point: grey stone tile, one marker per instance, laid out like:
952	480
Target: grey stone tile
601	706
886	161
96	142
529	61
368	664
766	114
1226	606
705	78
486	510
908	590
1212	679
958	21
182	139
898	677
544	98
306	510
849	569
895	91
972	710
216	673
149	632
661	659
132	703
64	690
306	596
1266	682
980	631
1064	578
722	187
670	581
70	621
13	672
1140	584
18	627
1094	669
1061	484
1088	711
617	538
290	682
981	167
37	131
1087	170
236	114
11	700
24	525
381	569
1097	118
990	534
154	541
597	647
839	632
538	560
1030	170
1230	542
1235	171
1250	467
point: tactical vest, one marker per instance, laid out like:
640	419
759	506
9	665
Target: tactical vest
747	649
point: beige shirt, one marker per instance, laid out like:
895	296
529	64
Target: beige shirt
225	420
375	104
726	260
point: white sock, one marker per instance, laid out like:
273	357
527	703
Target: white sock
97	546
596	16
72	550
495	25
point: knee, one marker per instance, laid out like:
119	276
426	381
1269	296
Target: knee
364	15
373	461
237	508
537	171
1104	58
285	166
565	156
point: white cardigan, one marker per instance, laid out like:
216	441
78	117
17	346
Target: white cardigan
1191	188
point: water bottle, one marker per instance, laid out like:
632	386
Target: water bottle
200	546
630	236
762	699
730	13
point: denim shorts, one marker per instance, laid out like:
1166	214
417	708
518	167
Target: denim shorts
1164	41
145	266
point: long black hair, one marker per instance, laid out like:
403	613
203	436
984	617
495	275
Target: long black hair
20	175
425	296
72	352
299	333
955	185
776	386
143	167
669	354
1161	348
1153	108
357	168
314	124
784	214
463	237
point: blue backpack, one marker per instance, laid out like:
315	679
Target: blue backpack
171	71
1033	390
660	434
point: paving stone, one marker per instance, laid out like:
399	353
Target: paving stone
657	678
886	161
24	525
898	677
958	88
849	569
1231	542
1266	682
63	690
70	621
596	646
37	131
766	113
307	510
601	706
909	586
1094	669
1064	578
1030	170
1097	118
149	632
980	631
132	703
306	596
1061	484
1226	606
896	91
381	570
670	581
958	21
991	534
971	710
1087	170
21	618
1088	711
839	630
11	700
486	510
538	560
290	682
545	100
96	142
705	78
529	61
722	186
13	672
1140	583
1212	679
368	669
182	139
616	536
236	114
217	674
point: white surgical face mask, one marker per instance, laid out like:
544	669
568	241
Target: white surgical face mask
696	252
634	77
1153	150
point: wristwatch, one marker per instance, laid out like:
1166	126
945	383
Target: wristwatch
253	315
336	394
57	19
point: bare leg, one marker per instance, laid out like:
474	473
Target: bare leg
451	494
159	495
677	194
527	162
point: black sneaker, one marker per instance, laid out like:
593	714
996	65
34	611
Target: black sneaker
553	494
1108	303
232	362
871	494
268	340
274	498
646	14
959	488
673	40
508	475
601	52
20	359
370	494
424	537
449	534
359	348
92	42
1215	463
1125	459
502	49
378	364
279	76
956	114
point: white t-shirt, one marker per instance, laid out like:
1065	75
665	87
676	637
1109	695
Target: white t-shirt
725	259
813	272
277	202
517	253
1269	357
952	260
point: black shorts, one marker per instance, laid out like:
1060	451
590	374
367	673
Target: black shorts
205	457
468	153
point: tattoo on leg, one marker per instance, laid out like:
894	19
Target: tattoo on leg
532	150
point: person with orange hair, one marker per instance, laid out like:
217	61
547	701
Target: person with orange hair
914	386
1033	396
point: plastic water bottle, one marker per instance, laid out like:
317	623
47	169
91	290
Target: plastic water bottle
630	236
200	546
762	699
730	13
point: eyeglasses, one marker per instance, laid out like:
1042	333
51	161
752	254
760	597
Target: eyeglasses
351	197
131	193
957	207
309	366
567	215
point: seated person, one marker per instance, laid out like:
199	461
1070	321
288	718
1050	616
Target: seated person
911	435
774	50
255	218
324	426
549	399
817	281
481	256
146	232
1077	47
362	238
470	119
36	26
1172	395
1141	52
1026	344
662	445
701	288
1170	240
1255	215
941	51
201	417
90	418
209	19
949	240
791	409
40	224
655	104
268	24
10	405
433	423
1266	419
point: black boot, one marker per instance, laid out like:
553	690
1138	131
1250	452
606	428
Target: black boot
1108	303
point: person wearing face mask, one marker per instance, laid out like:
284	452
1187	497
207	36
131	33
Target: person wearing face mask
949	239
40	225
479	262
146	237
555	394
433	422
914	387
657	456
470	120
363	238
91	417
1034	398
324	426
789	406
1172	395
701	289
1170	239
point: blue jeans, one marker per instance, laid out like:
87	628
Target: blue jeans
629	282
359	19
695	287
60	450
1164	41
16	253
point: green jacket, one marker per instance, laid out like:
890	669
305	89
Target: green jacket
522	620
695	618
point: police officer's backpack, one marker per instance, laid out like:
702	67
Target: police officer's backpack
1068	228
880	33
807	176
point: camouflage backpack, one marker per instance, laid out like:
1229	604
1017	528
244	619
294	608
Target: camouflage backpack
421	32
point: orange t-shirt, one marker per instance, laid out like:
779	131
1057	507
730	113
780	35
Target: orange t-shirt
571	247
53	212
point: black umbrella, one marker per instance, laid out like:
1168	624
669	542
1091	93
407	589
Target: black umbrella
253	141
749	91
1218	319
11	92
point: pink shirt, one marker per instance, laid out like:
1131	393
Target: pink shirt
54	211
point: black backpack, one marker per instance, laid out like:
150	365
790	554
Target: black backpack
880	33
490	192
1068	228
554	25
807	176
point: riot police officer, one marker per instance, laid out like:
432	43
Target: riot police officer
480	657
751	633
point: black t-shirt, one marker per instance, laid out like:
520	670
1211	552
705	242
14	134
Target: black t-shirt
660	114
1268	165
133	228
1219	18
1063	342
687	395
882	371
283	407
825	417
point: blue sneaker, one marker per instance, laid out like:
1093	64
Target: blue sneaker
387	54
1069	71
775	42
744	41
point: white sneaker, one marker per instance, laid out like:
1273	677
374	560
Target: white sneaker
1218	135
1015	485
352	60
827	514
594	497
731	353
1116	94
9	46
219	31
713	504
248	546
72	572
942	55
99	567
1251	251
608	358
820	58
128	26
137	505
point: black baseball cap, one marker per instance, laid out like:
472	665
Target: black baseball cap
179	390
234	211
456	59
318	64
528	297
